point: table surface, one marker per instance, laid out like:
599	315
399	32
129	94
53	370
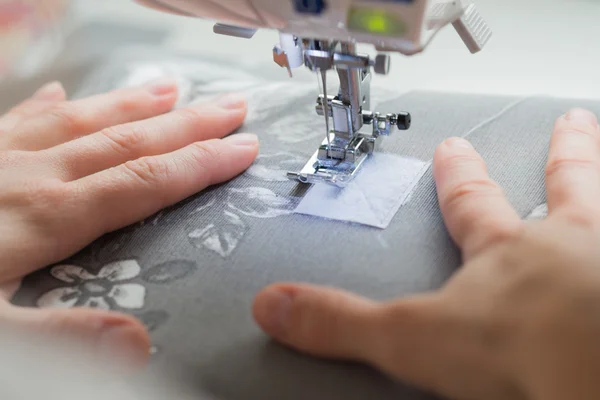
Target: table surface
539	47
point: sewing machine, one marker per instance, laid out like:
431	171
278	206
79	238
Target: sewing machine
322	35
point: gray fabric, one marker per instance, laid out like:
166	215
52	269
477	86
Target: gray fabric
197	300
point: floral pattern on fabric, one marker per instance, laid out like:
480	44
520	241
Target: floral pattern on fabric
110	288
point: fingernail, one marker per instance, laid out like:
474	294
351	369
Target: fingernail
125	344
162	86
459	143
583	116
50	91
273	311
232	101
243	139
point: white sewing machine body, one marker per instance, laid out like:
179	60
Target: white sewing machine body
404	26
322	35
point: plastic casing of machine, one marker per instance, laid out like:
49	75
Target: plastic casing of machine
404	26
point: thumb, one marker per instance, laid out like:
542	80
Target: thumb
400	338
109	334
323	322
331	323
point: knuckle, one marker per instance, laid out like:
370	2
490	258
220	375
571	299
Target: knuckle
190	116
205	153
45	201
578	130
205	157
479	231
471	190
456	160
124	140
47	192
497	233
128	103
149	171
68	117
557	164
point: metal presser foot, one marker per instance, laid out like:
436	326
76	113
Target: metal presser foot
345	148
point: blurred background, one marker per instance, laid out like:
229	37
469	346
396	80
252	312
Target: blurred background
546	47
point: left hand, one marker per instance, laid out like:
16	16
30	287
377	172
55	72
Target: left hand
71	171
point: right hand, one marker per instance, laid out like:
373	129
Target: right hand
519	321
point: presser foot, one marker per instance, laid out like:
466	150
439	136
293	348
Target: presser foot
334	165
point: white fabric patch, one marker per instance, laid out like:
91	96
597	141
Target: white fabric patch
374	196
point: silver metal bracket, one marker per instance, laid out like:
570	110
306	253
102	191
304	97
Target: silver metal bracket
345	148
335	172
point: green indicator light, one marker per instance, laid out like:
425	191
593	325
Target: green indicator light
375	21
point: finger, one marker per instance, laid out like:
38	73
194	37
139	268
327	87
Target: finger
109	333
121	196
164	134
397	338
573	169
320	321
475	210
42	100
70	120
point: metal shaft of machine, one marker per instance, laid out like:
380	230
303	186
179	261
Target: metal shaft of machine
350	91
326	110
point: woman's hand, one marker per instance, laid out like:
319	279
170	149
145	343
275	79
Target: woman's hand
520	320
71	171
